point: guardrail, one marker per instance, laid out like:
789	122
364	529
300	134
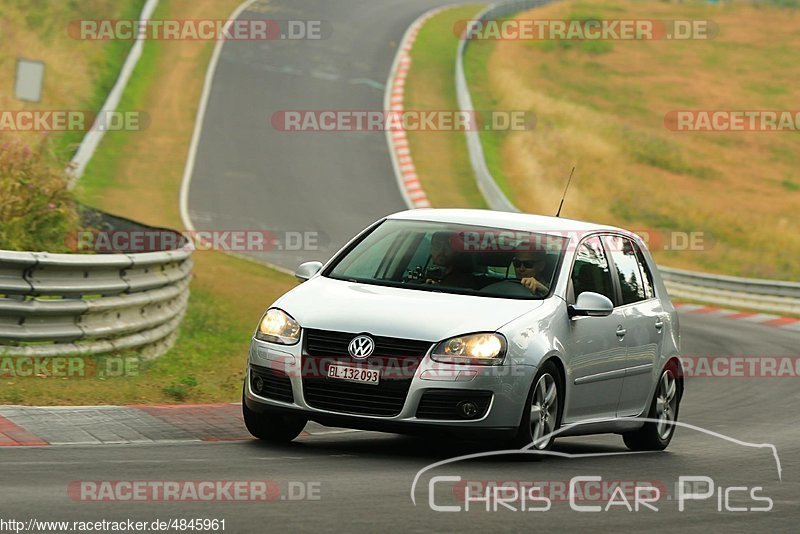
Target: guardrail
758	294
733	291
84	304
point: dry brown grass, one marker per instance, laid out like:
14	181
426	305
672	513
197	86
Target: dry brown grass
78	73
604	111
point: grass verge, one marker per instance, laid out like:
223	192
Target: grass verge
447	178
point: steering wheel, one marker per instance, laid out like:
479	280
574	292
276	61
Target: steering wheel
509	287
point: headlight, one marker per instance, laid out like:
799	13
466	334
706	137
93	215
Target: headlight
481	349
278	327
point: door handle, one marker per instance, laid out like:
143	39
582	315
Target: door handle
621	332
659	324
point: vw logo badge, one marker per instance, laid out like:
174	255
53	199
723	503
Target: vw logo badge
361	347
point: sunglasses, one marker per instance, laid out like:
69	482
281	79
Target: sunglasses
528	264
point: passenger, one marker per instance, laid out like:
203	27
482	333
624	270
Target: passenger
529	266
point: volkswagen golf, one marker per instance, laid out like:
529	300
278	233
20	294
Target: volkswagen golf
499	326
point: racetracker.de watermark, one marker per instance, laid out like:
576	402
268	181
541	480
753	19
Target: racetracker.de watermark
135	241
193	490
741	366
390	367
364	120
504	241
72	121
585	30
732	121
199	29
68	366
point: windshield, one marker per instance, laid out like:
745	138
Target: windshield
452	258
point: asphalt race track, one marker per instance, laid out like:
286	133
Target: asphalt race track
249	176
364	479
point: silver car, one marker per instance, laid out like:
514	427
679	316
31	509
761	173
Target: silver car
501	326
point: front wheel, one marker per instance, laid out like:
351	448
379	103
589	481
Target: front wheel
542	414
272	427
655	436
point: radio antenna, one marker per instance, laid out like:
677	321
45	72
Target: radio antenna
558	213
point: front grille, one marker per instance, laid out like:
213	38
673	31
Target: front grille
447	403
397	359
274	384
325	343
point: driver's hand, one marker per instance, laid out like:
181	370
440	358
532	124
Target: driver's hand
533	285
431	281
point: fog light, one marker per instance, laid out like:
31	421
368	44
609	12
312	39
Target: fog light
258	384
467	409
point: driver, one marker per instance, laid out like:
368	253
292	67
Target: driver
529	266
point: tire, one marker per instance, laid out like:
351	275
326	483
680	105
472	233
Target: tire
546	399
664	407
272	427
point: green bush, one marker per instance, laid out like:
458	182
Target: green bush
37	211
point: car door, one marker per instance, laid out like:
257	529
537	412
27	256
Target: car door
595	351
643	320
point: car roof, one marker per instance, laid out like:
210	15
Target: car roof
506	220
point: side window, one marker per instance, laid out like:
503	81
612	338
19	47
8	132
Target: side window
590	271
647	276
627	266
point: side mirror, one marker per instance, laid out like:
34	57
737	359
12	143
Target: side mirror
307	270
590	304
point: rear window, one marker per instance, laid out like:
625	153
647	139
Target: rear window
629	272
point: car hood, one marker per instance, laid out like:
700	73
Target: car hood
328	304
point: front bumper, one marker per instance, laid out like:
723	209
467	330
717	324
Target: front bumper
508	386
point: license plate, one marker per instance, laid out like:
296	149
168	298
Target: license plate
354	374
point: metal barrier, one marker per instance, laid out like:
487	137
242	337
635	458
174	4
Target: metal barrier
733	291
83	304
758	294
